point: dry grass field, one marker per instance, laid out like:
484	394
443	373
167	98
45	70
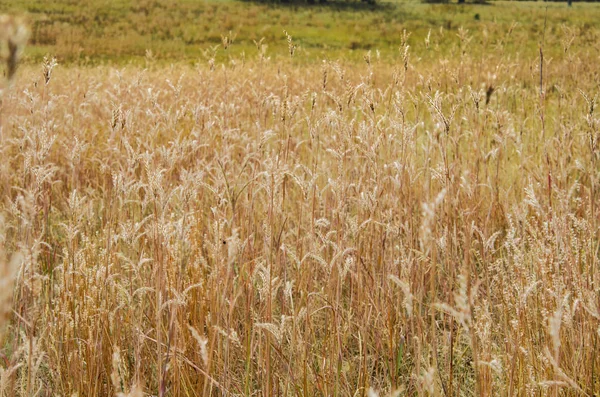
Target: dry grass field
409	226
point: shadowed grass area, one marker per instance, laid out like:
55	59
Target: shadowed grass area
121	31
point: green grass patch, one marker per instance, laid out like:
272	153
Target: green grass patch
121	31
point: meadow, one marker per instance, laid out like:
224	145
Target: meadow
95	32
354	214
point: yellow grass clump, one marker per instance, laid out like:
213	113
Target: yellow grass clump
274	229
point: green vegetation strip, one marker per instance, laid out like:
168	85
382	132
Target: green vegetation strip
96	32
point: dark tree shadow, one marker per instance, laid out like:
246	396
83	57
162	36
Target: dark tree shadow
459	3
336	5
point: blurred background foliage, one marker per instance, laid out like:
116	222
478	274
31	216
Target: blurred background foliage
122	31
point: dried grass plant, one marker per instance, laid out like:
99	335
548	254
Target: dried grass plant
267	228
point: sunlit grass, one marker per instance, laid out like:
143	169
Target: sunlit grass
121	31
305	220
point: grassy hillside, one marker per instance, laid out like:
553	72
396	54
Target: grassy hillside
188	30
